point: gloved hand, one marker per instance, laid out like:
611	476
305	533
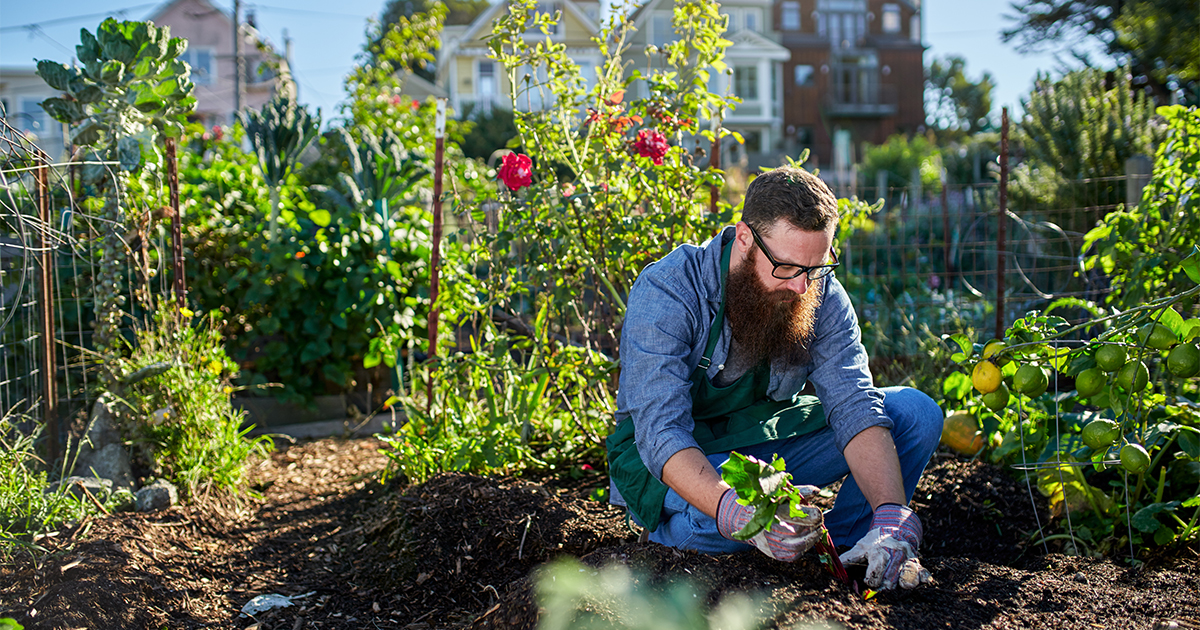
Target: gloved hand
890	549
786	540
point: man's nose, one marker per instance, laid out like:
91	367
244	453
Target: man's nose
799	284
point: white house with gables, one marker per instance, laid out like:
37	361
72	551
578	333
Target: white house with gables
475	82
755	60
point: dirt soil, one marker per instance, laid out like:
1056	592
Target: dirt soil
459	552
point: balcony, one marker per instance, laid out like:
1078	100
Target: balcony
860	99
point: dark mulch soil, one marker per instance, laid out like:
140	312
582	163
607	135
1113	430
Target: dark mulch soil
460	552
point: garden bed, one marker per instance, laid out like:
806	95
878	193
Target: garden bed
459	551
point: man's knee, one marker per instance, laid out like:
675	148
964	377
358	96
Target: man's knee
914	414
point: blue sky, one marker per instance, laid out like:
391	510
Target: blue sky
326	36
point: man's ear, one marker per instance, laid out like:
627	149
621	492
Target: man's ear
743	239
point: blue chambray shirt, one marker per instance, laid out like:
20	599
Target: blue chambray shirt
672	305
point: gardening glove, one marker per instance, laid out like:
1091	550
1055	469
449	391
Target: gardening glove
890	549
786	540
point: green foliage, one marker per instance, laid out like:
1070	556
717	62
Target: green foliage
131	88
899	157
957	107
763	486
1143	249
1099	492
492	131
1156	38
1083	126
279	134
579	597
30	506
176	407
302	312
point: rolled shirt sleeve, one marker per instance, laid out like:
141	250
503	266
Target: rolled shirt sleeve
657	344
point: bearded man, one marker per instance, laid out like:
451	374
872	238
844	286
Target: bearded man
718	342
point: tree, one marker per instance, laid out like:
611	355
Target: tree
955	105
1155	38
457	11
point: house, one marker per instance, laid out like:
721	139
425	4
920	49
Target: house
756	61
476	83
856	75
209	32
21	92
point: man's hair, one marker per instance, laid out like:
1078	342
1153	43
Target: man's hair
792	194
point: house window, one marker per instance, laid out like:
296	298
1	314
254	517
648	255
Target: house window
487	79
804	75
547	8
790	15
891	18
662	33
32	118
201	61
752	19
745	82
914	28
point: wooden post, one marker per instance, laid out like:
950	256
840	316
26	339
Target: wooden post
435	256
1002	227
176	225
46	306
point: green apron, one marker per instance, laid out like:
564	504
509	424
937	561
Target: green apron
726	418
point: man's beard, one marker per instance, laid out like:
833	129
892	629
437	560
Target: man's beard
775	325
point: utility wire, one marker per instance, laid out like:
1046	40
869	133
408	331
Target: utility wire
75	18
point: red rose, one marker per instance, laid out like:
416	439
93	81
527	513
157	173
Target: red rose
651	144
217	132
516	171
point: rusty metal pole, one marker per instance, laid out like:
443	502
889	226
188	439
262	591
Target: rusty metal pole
435	254
176	225
1002	227
46	307
714	162
947	259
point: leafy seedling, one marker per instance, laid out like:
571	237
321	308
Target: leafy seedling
767	486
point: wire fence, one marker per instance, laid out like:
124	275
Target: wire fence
929	265
49	254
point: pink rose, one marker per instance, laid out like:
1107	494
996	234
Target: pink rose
516	171
651	144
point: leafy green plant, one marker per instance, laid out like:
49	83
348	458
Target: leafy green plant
279	134
766	487
131	88
1117	456
576	596
1141	248
176	405
30	505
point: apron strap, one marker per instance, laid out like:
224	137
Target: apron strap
714	331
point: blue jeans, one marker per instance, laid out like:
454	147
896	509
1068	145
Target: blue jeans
813	460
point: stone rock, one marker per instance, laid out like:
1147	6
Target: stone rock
103	453
99	488
157	496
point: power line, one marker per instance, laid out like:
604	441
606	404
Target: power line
75	18
309	11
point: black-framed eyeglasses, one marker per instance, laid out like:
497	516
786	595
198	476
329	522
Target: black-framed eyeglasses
787	271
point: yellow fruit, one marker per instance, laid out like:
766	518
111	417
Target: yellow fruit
1133	377
985	377
1184	360
1031	380
998	399
993	347
961	433
1134	458
1100	433
1090	381
1160	337
1110	357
